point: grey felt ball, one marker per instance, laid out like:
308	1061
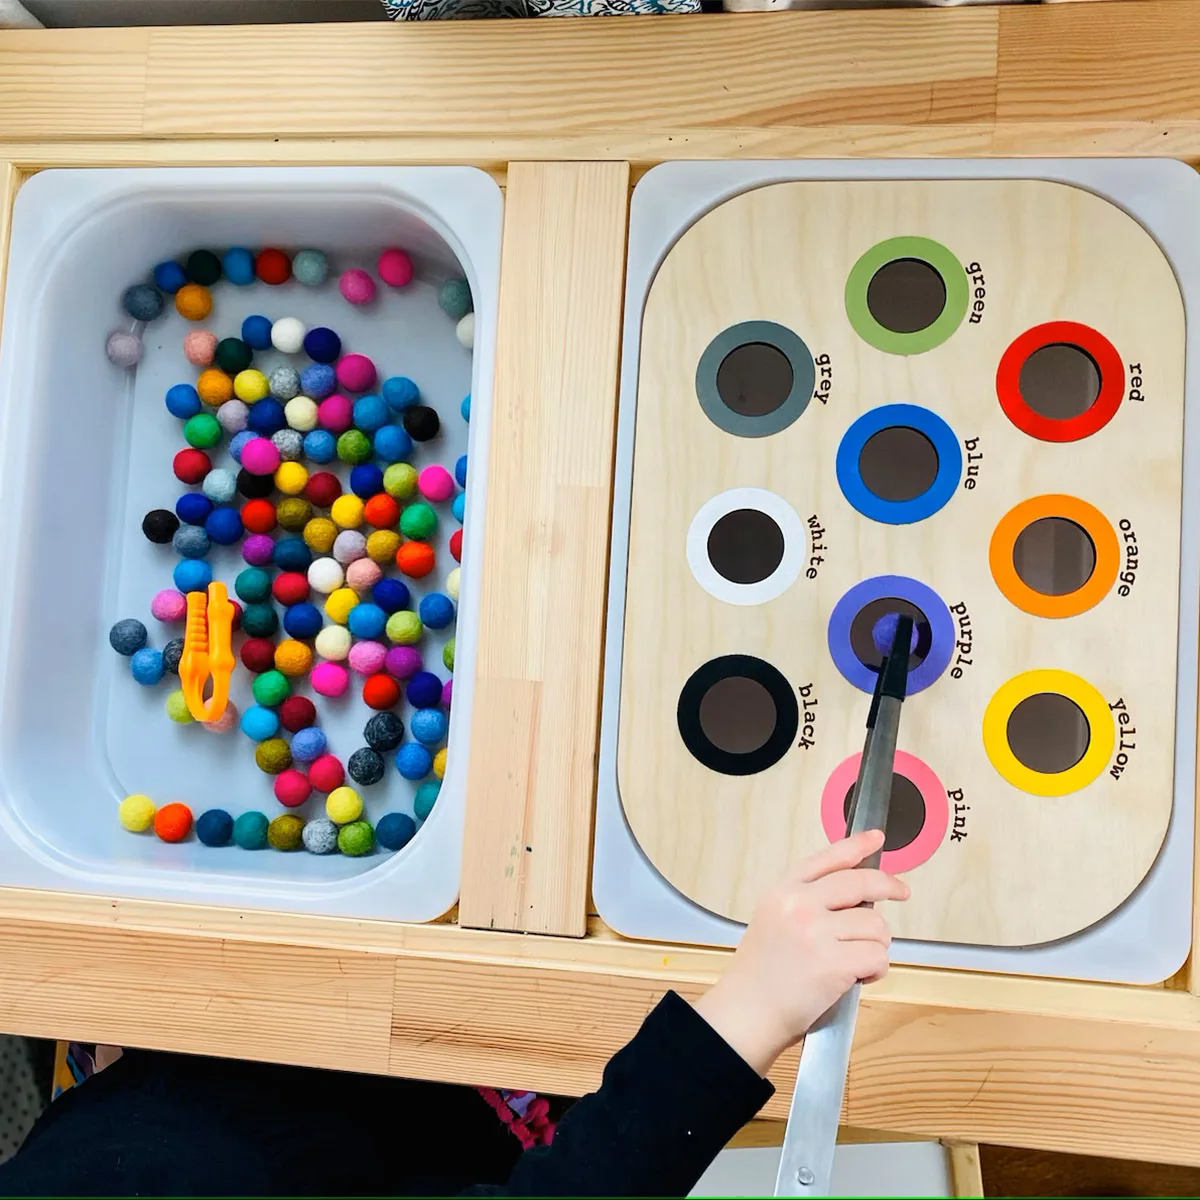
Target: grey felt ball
142	302
284	383
190	541
172	653
290	444
384	731
124	349
365	767
127	637
320	836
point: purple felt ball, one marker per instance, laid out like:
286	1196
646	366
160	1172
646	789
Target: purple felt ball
403	661
884	633
258	549
447	693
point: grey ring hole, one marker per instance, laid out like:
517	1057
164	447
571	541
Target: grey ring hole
754	379
1048	732
898	463
738	715
745	546
906	813
1059	381
1054	556
906	295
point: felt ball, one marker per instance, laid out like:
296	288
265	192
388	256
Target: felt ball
294	514
380	691
319	535
293	658
250	831
333	643
366	658
354	446
370	412
453	581
400	393
214	387
238	264
458	506
380	509
127	636
413	761
225	722
159	525
347	511
367	621
169	276
384	731
220	484
395	831
266	417
124	349
348	546
203	267
465	332
363	574
336	413
290	444
258	549
436	610
136	813
318	381
422	423
356	372
320	836
404	627
224	525
258	653
448	691
284	383
424	690
235	622
325	575
253	585
191	541
356	839
233	355
425	798
392	443
436	484
260	620
273	755
460	471
291	554
464	408
884	633
173	822
273	266
192	575
251	385
146	666
172	653
320	446
256	333
323	488
365	767
357	286
290	478
300	412
339	604
214	827
448	654
292	788
286	832
202	431
193	302
302	621
168	605
428	725
271	687
287	335
382	546
391	595
366	479
455	544
297	712
177	708
310	268
243	436
260	457
183	401
395	268
403	662
326	773
309	743
199	347
418	521
454	298
322	345
251	485
330	679
343	805
260	723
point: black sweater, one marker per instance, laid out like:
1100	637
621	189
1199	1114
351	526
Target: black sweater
164	1124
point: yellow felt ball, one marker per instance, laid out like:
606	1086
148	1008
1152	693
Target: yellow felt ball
347	511
214	387
320	534
339	604
293	657
452	583
136	813
439	763
290	477
343	805
250	385
193	301
400	481
382	546
177	708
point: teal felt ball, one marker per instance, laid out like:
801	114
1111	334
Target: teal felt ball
250	831
454	298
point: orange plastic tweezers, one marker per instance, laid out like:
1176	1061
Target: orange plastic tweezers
207	651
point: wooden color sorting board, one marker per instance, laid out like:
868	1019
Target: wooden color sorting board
1024	868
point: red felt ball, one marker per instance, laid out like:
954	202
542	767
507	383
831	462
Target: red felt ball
323	488
258	654
258	516
173	822
296	713
456	545
415	559
326	773
292	787
191	465
381	511
273	266
290	587
237	615
381	691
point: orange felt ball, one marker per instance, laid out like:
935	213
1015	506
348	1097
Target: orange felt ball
173	822
415	559
214	386
193	301
381	511
381	692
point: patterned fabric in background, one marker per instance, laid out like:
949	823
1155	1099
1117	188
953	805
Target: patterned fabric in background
436	10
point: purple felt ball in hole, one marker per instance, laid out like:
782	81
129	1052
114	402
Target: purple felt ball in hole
884	633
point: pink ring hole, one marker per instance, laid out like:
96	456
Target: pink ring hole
937	809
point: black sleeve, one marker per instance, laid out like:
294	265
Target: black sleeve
668	1102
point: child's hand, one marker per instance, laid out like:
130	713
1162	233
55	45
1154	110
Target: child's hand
807	944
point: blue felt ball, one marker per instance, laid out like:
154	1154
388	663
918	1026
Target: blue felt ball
460	470
239	266
424	690
320	445
192	575
191	541
366	480
395	830
428	726
318	381
303	620
220	485
215	827
322	345
169	276
192	508
413	761
308	744
391	595
256	331
224	526
436	610
367	621
266	417
370	412
392	443
183	401
127	636
400	393
259	723
147	666
465	407
426	797
291	553
458	506
250	831
143	302
239	440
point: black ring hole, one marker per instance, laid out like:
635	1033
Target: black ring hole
906	813
745	546
1059	381
754	379
898	463
906	295
1048	732
862	631
1054	556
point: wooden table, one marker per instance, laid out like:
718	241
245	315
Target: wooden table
566	113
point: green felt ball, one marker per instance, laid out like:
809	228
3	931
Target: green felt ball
252	585
273	755
454	298
177	708
259	620
250	831
356	838
203	267
448	654
286	832
418	521
400	481
354	447
202	431
310	267
271	688
233	355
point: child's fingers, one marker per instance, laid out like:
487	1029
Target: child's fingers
849	852
868	960
862	885
861	925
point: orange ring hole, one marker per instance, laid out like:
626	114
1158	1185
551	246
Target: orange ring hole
1090	519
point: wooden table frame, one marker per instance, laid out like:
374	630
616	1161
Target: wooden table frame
566	113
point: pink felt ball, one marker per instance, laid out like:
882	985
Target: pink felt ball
200	347
447	693
225	722
403	661
357	286
330	679
395	268
168	605
367	657
436	483
292	788
362	575
356	372
260	456
336	413
258	549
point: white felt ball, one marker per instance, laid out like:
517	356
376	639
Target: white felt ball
300	413
465	331
333	643
287	335
326	576
452	583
